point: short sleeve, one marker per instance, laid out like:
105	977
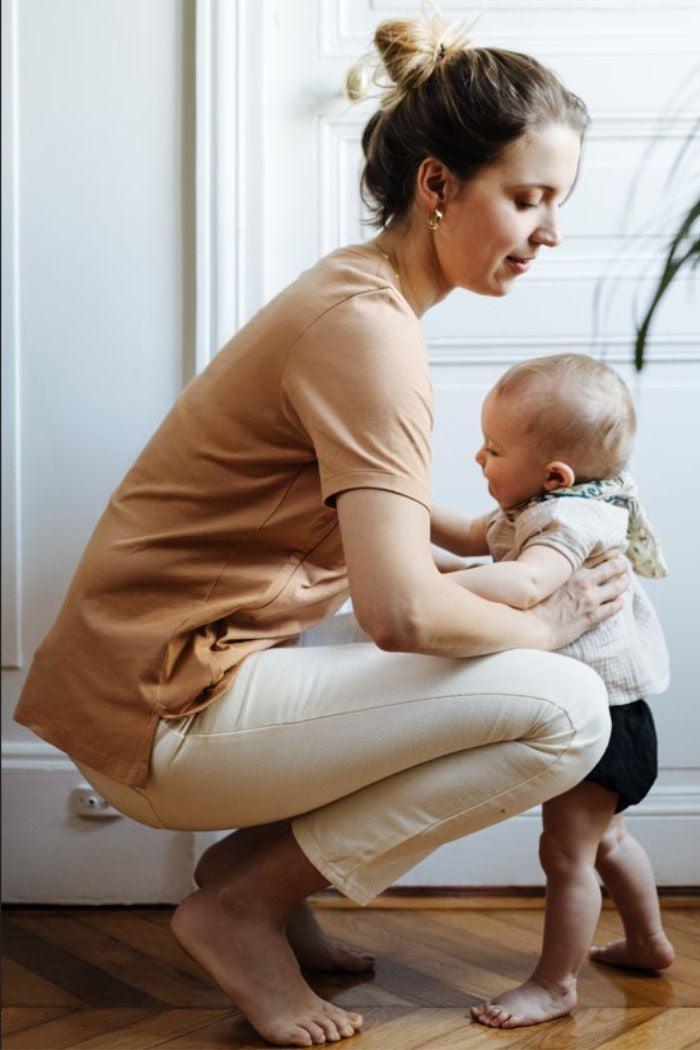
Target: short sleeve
576	527
357	387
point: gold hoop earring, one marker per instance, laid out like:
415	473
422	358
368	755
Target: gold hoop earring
434	219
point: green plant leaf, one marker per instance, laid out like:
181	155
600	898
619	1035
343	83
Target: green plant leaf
672	265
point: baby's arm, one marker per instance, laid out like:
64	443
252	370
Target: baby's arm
446	562
538	572
457	533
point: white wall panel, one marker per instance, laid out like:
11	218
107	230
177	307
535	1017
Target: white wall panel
633	65
103	327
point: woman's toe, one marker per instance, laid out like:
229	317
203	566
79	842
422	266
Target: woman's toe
328	1026
299	1037
344	1020
318	1036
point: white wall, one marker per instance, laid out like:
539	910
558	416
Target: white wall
105	276
104	213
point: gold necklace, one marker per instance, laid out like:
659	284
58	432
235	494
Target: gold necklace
391	259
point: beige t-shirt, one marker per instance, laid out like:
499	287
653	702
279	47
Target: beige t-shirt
223	537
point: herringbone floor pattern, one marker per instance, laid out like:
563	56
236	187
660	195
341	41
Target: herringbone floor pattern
115	979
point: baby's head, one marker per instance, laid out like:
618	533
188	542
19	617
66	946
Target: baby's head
552	422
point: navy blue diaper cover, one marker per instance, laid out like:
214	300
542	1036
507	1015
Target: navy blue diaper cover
629	765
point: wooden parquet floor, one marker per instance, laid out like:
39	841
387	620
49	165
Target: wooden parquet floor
116	979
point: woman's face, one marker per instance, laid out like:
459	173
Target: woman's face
495	225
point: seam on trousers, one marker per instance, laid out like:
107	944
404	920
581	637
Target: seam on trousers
493	798
363	710
148	802
355	892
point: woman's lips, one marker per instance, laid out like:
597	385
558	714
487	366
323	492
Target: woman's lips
518	264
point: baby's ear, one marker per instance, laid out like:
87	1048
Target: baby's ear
558	475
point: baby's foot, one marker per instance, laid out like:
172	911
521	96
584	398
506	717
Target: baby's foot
533	1002
649	953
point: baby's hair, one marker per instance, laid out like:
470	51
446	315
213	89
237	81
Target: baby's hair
577	408
463	105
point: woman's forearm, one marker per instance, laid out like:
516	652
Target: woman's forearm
450	621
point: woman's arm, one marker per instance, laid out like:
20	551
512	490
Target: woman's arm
455	532
537	573
406	605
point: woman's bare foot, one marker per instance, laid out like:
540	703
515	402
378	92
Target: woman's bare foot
242	946
533	1002
314	949
649	953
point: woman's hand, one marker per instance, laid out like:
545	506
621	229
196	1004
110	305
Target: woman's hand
592	594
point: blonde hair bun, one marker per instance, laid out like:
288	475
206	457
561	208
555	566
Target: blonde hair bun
409	52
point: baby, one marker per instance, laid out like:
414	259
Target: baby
557	433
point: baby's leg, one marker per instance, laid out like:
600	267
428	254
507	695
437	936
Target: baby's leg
573	827
626	871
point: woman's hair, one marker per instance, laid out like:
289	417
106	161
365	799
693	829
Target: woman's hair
577	409
446	99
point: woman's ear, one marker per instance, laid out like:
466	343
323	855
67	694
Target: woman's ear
433	183
558	475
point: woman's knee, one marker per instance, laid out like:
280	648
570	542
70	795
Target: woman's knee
576	724
584	697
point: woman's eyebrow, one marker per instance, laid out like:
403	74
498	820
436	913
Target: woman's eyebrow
544	186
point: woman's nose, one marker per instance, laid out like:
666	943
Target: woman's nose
549	235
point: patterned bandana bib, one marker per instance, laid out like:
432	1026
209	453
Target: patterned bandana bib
644	551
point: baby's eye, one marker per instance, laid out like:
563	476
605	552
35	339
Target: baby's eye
524	204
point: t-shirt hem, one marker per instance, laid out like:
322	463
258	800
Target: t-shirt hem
133	774
360	479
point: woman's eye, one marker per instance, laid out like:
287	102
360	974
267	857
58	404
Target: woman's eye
525	204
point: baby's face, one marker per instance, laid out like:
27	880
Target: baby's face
513	465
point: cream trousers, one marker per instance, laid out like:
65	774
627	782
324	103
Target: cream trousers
378	757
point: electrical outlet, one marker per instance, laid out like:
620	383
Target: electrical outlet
85	802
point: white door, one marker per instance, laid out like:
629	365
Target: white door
298	160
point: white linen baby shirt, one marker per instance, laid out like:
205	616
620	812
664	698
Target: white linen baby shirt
628	650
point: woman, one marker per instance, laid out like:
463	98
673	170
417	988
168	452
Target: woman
293	471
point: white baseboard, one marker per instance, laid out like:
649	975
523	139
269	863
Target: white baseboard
52	856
